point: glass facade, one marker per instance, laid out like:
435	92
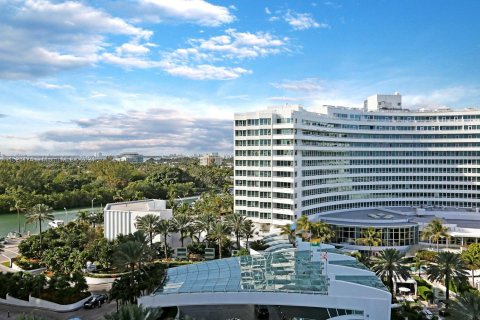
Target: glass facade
391	236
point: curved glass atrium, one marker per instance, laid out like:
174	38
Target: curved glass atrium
291	271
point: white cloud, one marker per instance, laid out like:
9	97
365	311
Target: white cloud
132	49
267	11
302	21
52	86
308	85
240	45
40	37
194	11
196	61
205	72
449	96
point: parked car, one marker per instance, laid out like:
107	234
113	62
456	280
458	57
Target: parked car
261	311
95	300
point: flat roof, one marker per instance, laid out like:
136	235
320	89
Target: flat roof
140	205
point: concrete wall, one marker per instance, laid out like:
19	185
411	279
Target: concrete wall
43	304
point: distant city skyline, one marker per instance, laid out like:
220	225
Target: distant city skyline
161	77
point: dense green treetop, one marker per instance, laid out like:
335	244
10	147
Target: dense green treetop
74	184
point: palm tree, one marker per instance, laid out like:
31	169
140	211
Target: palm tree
83	216
236	222
287	230
148	224
322	231
134	312
181	223
39	213
419	263
467	307
370	237
471	257
303	224
389	264
220	232
247	231
164	227
19	204
129	255
447	267
434	231
206	221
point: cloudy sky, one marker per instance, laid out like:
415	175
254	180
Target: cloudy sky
166	76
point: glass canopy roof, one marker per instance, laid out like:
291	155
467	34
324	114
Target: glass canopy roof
291	271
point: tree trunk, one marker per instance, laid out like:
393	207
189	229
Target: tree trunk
220	249
40	234
165	245
181	238
390	283
238	241
18	219
447	290
151	239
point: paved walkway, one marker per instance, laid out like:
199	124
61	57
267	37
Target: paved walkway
10	250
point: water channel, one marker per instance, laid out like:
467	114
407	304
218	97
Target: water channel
9	221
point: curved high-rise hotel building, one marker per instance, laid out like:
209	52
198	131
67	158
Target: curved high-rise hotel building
381	164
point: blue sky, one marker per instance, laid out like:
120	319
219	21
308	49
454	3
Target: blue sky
166	76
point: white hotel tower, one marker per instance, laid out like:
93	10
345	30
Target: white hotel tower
291	162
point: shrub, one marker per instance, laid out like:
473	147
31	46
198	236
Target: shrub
258	245
426	255
425	293
422	282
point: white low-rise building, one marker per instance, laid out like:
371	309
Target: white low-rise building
120	217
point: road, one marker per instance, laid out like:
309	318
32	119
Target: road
83	314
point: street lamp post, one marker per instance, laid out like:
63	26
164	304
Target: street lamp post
92	203
66	212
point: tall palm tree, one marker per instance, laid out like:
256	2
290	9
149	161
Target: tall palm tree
434	231
164	228
467	307
19	204
129	255
303	224
471	257
220	233
247	230
322	231
206	221
371	238
39	213
181	223
236	222
390	264
287	230
134	312
447	267
148	224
